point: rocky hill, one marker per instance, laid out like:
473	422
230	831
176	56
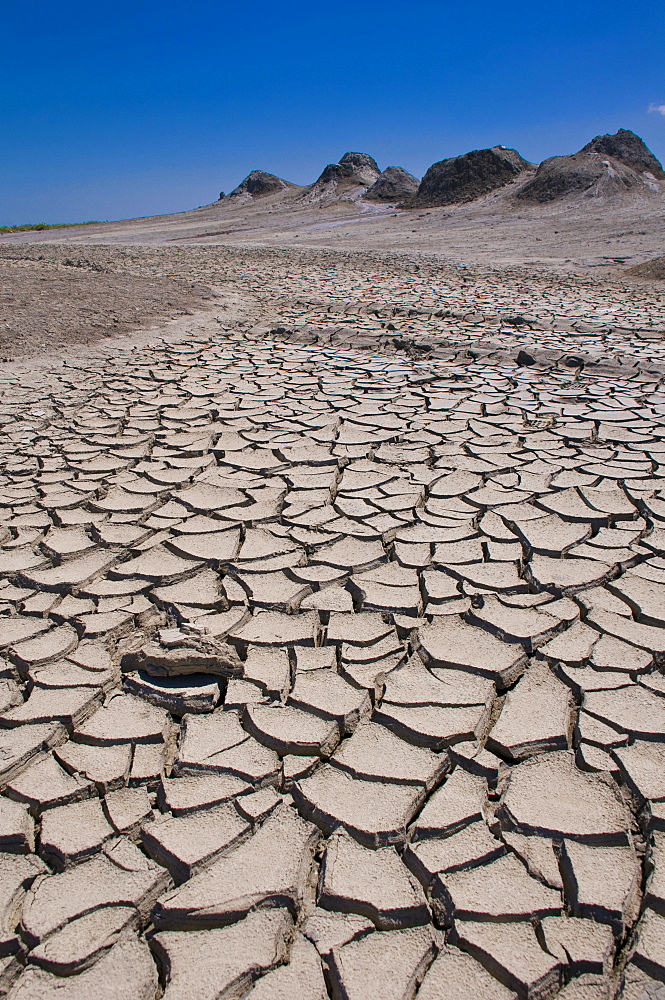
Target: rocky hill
607	167
352	169
624	145
348	179
612	166
465	178
393	184
259	183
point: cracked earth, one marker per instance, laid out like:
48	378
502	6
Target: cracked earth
333	618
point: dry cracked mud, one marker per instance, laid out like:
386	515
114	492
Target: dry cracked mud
333	631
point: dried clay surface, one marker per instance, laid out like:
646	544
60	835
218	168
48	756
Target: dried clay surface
332	620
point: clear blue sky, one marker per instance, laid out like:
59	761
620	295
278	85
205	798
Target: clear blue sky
116	109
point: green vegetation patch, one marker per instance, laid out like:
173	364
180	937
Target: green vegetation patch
39	226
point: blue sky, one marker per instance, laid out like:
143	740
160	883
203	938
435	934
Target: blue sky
113	110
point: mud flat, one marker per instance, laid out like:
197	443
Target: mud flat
333	611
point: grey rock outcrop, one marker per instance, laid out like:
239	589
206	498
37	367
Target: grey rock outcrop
608	166
393	184
259	183
627	147
346	180
465	178
353	169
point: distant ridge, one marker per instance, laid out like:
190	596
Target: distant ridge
612	166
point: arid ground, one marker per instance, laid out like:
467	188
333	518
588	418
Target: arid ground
332	579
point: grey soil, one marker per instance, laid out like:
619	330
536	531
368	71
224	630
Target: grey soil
332	610
67	300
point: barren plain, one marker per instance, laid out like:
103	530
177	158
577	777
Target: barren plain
332	567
